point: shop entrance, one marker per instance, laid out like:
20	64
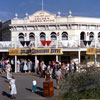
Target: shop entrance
46	58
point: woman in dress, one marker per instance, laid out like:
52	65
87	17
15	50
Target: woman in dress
8	70
25	66
13	88
29	65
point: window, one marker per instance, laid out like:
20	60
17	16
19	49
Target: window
99	36
21	37
64	36
42	36
91	36
32	36
53	36
82	36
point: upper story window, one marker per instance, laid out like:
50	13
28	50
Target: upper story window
53	36
64	36
21	37
91	36
32	36
99	36
82	36
42	36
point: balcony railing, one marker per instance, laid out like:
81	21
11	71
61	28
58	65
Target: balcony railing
54	44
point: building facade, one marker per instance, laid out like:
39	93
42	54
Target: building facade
73	35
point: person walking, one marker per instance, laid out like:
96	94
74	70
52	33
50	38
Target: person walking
13	91
58	76
34	85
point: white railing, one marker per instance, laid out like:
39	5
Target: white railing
53	44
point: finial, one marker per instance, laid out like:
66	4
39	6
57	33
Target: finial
58	14
70	13
16	15
26	15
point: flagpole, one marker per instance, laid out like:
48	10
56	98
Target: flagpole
42	4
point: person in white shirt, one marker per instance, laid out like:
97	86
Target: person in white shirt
58	75
34	85
13	91
29	65
36	65
18	65
8	70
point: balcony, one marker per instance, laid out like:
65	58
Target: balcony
54	44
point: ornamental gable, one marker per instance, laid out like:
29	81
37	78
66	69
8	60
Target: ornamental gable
42	17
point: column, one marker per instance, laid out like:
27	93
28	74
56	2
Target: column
57	46
79	57
35	58
15	58
95	57
15	64
57	58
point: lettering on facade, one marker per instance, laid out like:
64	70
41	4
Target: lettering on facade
40	51
93	51
98	51
43	17
13	52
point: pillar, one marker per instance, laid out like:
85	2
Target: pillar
15	64
79	57
57	58
35	58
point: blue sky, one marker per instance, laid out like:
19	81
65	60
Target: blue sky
87	8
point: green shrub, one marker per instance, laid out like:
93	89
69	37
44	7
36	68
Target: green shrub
81	85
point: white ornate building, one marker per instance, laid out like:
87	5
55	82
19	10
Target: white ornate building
73	34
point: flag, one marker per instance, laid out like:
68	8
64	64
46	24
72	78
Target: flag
22	43
43	43
48	43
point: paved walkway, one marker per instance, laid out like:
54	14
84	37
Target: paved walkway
24	85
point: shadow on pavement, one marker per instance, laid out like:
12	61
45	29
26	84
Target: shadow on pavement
6	81
28	89
39	93
4	77
5	94
39	88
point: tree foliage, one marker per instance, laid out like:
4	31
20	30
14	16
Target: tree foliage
85	85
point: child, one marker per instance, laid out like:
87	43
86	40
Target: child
34	87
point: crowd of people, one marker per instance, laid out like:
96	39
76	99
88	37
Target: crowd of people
56	70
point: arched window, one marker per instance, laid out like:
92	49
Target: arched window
42	36
21	37
53	36
91	36
82	36
99	36
32	36
64	36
